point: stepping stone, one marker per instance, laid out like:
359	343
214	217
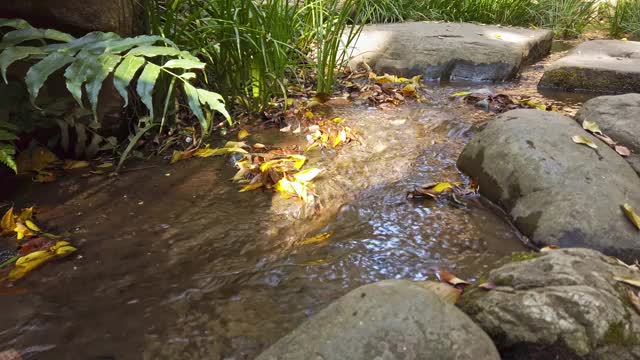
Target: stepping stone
618	116
449	51
555	191
606	66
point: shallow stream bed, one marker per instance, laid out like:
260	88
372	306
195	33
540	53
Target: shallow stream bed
174	263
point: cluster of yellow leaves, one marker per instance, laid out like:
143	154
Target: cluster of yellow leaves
22	226
329	134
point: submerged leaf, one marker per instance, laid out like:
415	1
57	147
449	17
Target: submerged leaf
631	215
37	258
579	139
316	239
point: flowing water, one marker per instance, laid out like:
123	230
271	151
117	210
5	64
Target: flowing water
174	263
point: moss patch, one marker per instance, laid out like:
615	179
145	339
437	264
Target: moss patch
524	256
616	334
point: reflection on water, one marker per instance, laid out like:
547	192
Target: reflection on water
175	264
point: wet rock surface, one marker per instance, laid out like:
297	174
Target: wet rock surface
392	319
450	50
563	304
619	118
607	66
555	191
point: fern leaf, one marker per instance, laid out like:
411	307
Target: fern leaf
16	37
125	73
214	101
40	72
6	156
146	82
76	75
107	62
121	45
194	103
13	54
183	64
6	135
94	42
14	23
151	51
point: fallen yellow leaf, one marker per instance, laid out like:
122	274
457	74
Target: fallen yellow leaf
243	134
307	175
218	151
253	186
591	127
22	231
315	239
409	90
31	225
33	260
461	93
579	139
631	215
75	164
8	222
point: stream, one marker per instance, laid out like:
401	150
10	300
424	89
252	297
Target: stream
174	263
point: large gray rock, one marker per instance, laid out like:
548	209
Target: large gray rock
556	191
449	50
619	118
393	319
564	304
608	66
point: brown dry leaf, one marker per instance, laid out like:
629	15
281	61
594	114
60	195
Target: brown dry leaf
444	291
635	301
35	160
549	248
631	215
487	286
75	164
629	281
622	150
448	277
10	354
592	127
8	222
579	139
605	139
243	134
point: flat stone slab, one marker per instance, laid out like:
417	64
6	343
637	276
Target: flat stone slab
619	118
563	304
390	320
606	66
449	51
556	192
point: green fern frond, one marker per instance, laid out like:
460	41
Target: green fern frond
7	153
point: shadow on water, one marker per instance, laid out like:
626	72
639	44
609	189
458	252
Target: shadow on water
175	263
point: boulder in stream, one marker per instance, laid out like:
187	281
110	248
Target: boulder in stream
556	192
449	50
607	66
619	118
393	319
563	304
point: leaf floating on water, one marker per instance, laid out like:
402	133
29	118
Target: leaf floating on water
629	281
444	291
461	93
243	134
250	187
631	215
623	150
207	152
33	260
307	175
316	239
449	278
533	104
591	127
579	139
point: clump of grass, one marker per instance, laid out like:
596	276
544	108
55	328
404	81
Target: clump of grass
568	18
624	18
